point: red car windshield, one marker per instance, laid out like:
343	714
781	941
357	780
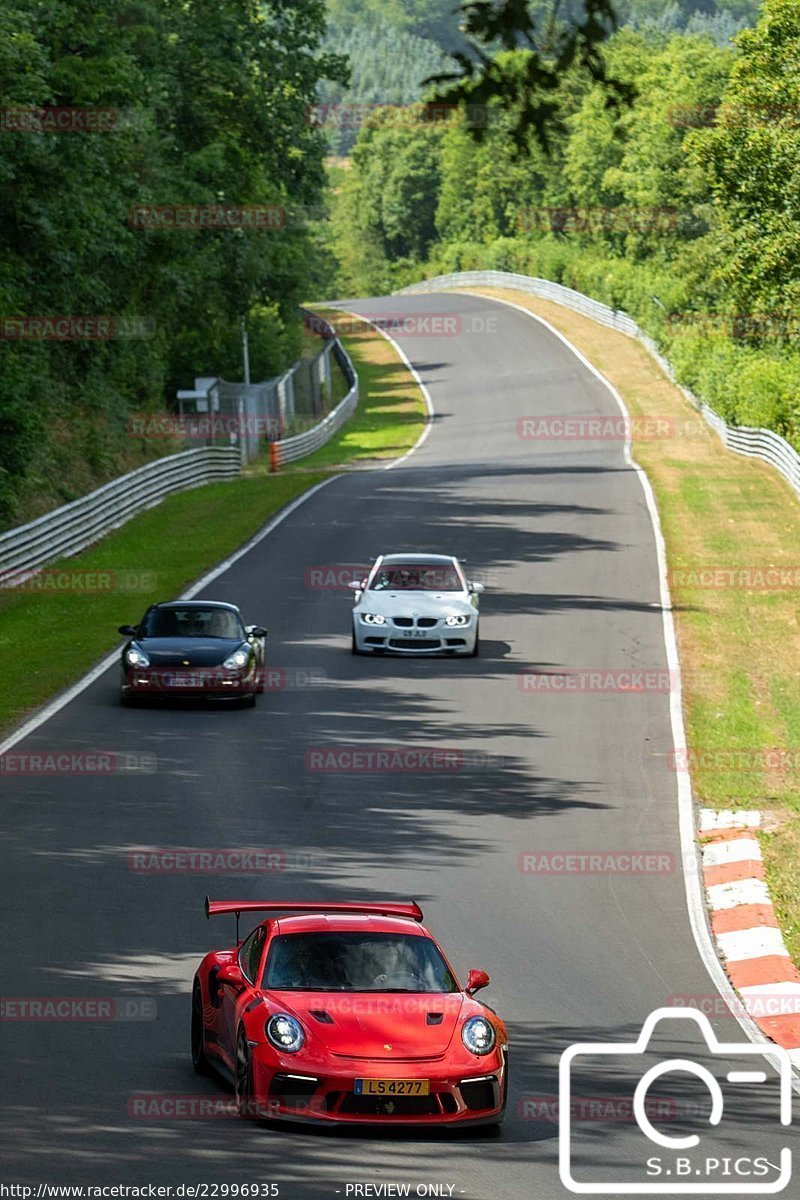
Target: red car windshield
356	962
417	577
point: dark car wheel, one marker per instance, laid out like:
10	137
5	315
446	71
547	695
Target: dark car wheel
249	701
127	700
476	649
199	1060
243	1082
353	647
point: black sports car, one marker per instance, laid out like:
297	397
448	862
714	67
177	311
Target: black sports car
192	649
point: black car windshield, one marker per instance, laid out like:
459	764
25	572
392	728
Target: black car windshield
356	962
417	577
192	622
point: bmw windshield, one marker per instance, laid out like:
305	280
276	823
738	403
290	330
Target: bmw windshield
441	577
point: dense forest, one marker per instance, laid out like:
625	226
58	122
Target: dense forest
682	208
200	104
393	47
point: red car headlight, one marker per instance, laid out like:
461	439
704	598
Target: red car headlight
285	1033
478	1035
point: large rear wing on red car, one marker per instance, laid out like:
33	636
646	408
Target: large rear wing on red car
389	908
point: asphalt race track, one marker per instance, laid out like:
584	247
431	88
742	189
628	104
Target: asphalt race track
560	533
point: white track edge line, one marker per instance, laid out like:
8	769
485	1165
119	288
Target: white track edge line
64	698
426	396
689	845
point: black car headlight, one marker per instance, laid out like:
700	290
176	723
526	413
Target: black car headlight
136	657
478	1035
238	660
285	1033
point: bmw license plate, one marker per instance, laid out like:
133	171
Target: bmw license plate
416	633
392	1087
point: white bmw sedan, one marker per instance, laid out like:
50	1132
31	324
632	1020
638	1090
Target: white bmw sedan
416	604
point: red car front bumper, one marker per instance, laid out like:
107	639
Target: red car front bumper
475	1096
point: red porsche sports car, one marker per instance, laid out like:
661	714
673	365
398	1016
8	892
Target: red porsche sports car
347	1012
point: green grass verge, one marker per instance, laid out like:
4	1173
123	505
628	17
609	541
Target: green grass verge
391	411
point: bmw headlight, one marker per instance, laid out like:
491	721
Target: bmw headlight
373	619
460	620
285	1033
478	1035
135	657
237	660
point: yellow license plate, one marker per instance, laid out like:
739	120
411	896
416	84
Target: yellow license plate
392	1087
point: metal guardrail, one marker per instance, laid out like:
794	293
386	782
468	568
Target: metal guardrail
74	526
765	444
291	448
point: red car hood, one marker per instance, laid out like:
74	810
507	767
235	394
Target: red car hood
376	1024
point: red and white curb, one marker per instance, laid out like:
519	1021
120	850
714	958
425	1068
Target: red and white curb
745	927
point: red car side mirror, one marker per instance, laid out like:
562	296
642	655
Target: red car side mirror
230	974
477	980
